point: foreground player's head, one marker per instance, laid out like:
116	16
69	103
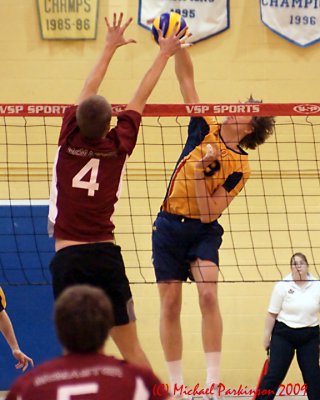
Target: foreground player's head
94	116
262	128
83	318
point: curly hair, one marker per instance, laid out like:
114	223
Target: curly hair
263	128
94	116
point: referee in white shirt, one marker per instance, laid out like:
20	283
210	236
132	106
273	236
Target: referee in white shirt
292	324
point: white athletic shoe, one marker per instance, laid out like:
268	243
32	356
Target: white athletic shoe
213	396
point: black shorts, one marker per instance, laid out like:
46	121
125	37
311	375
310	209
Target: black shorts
96	264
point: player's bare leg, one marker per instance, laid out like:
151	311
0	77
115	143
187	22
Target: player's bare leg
170	328
206	274
126	339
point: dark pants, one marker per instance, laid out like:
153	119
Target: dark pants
284	342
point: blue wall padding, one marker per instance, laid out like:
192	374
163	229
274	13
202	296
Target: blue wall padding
25	253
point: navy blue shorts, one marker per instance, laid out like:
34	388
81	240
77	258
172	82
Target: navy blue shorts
96	264
177	241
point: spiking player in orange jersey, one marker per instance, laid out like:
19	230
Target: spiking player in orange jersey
211	171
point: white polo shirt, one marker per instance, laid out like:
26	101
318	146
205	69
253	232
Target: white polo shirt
296	306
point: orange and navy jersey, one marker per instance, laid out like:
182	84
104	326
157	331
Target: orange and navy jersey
230	171
3	302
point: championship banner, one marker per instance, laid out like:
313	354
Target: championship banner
295	20
60	19
204	19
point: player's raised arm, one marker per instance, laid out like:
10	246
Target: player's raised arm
168	47
114	39
210	205
185	74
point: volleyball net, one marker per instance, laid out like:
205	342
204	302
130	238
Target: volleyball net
275	215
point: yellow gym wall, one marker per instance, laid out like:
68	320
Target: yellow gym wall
247	58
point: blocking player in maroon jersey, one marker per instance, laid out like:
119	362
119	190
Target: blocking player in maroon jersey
83	318
86	183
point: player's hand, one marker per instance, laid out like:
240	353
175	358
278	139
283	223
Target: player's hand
23	359
183	38
174	42
150	21
266	343
115	35
211	156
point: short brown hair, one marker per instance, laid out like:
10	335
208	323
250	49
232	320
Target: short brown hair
83	318
263	127
94	116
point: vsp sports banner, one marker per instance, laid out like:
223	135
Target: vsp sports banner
295	20
205	18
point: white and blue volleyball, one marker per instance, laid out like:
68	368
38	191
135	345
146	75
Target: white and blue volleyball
166	22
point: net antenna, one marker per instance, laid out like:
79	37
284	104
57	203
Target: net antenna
275	215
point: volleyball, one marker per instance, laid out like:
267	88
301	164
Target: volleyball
166	22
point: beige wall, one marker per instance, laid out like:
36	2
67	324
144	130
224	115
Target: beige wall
246	59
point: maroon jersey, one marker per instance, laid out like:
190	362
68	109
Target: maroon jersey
87	176
87	377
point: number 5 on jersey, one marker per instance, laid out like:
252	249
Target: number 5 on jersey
77	182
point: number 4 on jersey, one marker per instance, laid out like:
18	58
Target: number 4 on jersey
77	182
